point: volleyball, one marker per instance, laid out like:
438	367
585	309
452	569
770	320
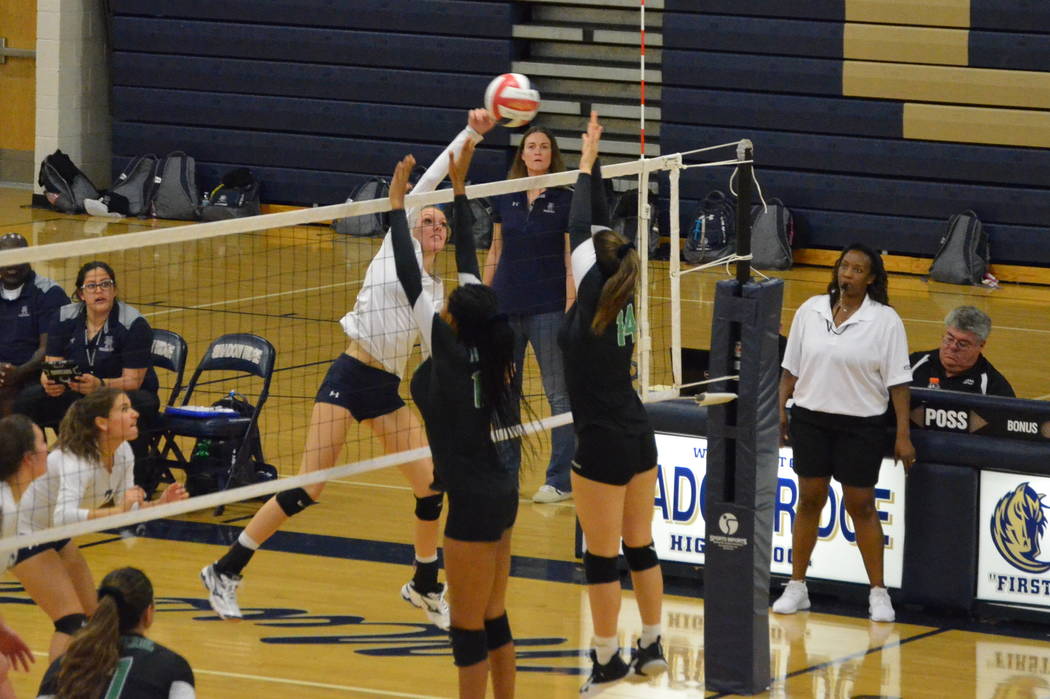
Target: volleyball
512	100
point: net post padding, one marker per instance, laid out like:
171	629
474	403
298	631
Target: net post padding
741	483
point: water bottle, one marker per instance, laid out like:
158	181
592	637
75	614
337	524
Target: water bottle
935	383
202	450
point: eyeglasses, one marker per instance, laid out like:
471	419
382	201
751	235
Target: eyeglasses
104	285
950	340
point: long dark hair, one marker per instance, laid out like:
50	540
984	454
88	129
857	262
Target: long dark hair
88	664
87	267
620	264
16	440
78	434
877	290
475	308
518	169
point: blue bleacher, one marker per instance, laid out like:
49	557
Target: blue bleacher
753	35
811	9
487	18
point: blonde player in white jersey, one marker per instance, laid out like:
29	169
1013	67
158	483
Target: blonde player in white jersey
362	385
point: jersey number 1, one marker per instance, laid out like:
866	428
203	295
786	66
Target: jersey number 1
625	325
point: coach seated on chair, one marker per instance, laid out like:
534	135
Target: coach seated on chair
958	362
110	343
27	304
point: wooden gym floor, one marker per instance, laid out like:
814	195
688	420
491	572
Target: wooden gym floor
323	614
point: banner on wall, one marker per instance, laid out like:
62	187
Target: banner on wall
1013	561
678	523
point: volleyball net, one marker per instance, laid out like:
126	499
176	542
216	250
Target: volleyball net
290	278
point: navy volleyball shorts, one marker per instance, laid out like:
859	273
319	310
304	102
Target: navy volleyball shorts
367	392
31	551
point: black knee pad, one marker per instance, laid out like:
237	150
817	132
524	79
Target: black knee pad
599	569
497	632
428	509
468	646
70	623
641	558
294	501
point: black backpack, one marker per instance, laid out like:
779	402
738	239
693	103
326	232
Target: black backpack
964	251
367	224
237	196
217	465
65	185
175	193
713	233
772	234
625	218
481	226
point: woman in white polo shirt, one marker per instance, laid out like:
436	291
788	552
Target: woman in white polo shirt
846	357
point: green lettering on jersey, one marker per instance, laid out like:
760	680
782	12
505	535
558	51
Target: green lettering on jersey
120	677
476	378
625	324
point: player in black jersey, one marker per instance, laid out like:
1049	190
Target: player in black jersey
111	656
614	470
464	391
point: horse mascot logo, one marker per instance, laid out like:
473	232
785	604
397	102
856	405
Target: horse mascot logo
1018	523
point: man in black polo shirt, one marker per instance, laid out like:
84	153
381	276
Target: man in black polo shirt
27	304
958	362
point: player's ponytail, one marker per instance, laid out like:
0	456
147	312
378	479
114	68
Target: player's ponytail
475	309
620	263
91	659
78	433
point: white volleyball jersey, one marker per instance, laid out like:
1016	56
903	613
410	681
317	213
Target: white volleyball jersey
381	320
84	485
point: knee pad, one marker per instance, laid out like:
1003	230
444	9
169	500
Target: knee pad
428	509
641	558
294	501
497	632
468	646
70	623
599	569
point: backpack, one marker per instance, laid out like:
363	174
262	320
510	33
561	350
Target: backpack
482	226
175	193
132	192
963	255
772	233
217	465
366	224
713	234
625	218
237	196
65	185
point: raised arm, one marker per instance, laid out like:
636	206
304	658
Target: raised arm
588	189
462	217
404	254
479	122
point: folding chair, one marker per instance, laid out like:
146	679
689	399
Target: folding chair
168	352
238	356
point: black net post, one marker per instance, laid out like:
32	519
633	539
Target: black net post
743	453
744	153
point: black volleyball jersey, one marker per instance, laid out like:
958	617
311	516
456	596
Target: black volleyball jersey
145	670
447	386
597	367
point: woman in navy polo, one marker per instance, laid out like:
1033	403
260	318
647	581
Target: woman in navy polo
110	342
529	267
